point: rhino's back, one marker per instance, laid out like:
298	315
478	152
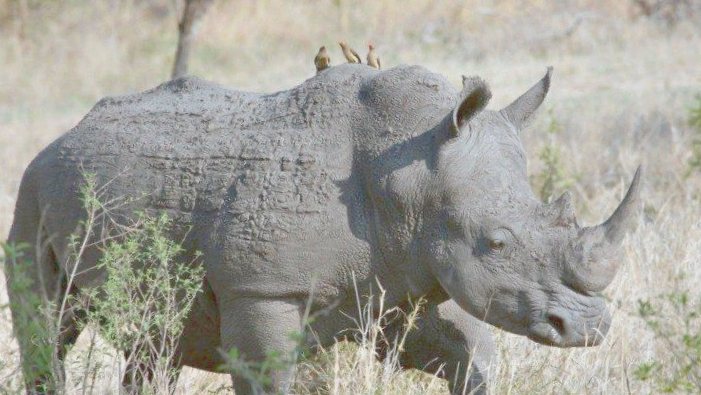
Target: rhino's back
187	142
245	171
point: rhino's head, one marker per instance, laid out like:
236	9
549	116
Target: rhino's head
498	251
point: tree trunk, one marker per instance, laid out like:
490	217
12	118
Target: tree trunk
192	13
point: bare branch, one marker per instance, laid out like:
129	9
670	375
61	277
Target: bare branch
192	14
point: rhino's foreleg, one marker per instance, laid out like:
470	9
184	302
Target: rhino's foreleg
448	337
264	332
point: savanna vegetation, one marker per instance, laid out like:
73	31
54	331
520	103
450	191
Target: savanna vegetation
626	90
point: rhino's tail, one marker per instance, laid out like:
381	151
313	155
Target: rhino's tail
36	286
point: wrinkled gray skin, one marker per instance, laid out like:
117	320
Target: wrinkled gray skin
393	177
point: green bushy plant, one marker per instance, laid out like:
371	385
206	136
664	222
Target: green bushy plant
142	305
553	178
140	308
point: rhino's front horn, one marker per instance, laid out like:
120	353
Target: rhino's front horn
595	263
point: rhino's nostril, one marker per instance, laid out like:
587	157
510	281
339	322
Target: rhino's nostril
557	322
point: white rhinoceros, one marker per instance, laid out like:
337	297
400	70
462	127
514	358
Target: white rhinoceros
390	177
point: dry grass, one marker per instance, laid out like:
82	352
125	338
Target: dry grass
621	91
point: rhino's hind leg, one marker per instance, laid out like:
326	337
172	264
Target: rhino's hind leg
261	330
43	348
36	286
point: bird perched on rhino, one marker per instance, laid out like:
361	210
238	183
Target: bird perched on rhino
349	53
322	60
373	59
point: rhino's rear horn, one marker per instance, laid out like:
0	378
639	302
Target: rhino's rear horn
597	264
562	211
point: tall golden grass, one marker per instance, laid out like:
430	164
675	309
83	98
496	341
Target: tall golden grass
622	87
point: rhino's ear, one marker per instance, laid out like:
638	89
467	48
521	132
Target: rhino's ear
474	97
520	111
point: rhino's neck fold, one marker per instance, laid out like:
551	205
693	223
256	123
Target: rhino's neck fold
397	190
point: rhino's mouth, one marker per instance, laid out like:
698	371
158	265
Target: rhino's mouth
557	332
545	333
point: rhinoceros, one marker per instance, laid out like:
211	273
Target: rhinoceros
354	179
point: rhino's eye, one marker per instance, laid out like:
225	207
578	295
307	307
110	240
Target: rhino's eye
496	240
496	245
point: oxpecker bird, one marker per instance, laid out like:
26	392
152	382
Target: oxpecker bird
349	53
373	60
322	59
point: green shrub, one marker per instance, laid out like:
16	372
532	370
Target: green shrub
141	307
553	178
